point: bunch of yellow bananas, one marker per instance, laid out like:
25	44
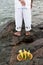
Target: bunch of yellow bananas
24	55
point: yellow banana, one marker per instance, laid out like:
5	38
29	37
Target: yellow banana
21	53
25	54
29	55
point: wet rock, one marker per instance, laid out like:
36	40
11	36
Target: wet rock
7	28
36	49
4	55
10	44
7	33
40	26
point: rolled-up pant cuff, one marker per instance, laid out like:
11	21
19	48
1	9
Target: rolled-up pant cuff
18	28
27	29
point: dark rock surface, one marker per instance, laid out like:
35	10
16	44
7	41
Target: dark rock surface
10	44
36	49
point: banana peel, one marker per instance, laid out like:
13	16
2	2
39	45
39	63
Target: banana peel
24	55
19	58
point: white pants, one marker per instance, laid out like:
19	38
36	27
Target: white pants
20	14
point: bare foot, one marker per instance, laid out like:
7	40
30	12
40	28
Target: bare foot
17	33
27	33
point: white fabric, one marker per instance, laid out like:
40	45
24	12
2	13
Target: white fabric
18	4
20	14
23	12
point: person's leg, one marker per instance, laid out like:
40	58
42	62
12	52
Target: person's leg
27	20
18	21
